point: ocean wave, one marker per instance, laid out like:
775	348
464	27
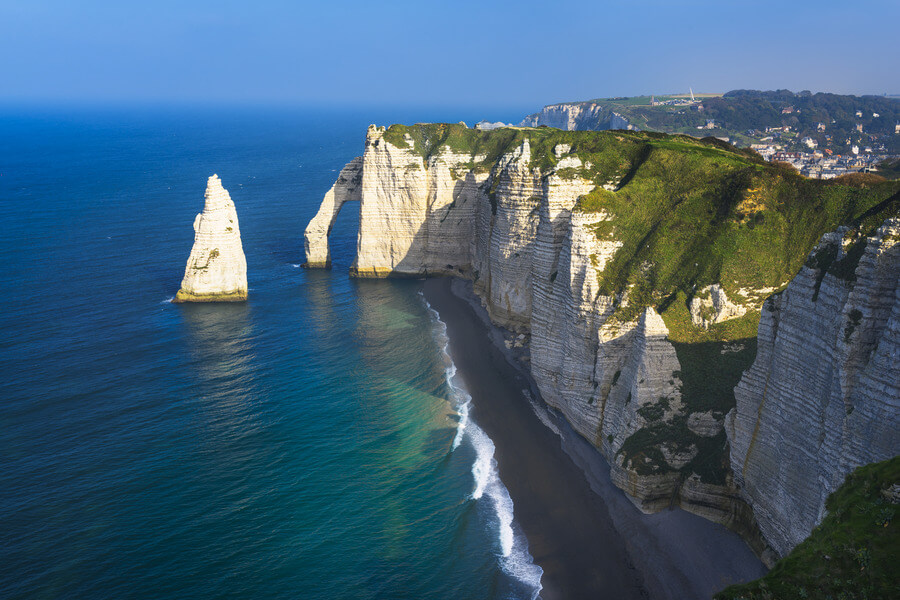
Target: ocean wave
168	300
461	399
514	559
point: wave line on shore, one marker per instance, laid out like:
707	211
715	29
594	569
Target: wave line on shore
462	399
514	558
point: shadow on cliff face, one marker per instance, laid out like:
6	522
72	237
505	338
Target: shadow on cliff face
709	373
441	244
710	370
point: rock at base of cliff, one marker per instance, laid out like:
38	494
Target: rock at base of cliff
317	264
183	296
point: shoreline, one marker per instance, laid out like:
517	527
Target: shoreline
584	533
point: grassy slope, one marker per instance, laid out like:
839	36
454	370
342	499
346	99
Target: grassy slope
690	213
853	554
693	213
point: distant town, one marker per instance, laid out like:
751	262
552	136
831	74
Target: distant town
818	161
822	135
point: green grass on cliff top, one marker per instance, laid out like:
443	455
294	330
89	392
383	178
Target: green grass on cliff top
690	217
853	554
689	212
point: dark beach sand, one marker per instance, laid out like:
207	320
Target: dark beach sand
589	539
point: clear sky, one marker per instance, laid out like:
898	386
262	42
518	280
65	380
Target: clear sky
423	52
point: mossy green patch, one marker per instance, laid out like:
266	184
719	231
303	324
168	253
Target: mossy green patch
431	138
852	554
643	451
184	296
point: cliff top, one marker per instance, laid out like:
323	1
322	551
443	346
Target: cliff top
690	213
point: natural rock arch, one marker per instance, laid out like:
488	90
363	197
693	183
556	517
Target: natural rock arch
347	188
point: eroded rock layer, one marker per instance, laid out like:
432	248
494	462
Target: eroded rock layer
346	189
823	396
216	270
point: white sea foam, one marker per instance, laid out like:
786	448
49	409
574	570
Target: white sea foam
460	397
514	558
296	265
168	300
484	466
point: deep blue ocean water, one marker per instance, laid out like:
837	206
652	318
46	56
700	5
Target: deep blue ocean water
306	444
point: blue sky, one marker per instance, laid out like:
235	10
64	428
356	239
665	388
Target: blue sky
437	53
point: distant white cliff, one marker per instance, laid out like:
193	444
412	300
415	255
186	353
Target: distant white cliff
216	270
586	116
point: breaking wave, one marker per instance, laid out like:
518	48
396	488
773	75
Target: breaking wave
512	547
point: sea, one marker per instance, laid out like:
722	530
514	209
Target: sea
313	442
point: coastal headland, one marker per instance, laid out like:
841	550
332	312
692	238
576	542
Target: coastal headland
718	328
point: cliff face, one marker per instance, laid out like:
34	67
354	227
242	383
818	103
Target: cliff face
417	212
823	395
638	263
216	270
584	116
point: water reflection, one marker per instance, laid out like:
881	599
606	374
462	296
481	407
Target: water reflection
223	363
321	301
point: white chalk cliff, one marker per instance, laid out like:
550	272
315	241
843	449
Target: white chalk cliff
536	258
511	228
216	270
586	116
823	396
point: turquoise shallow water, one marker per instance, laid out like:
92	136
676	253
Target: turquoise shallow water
300	445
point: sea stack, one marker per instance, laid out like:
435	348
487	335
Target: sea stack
216	270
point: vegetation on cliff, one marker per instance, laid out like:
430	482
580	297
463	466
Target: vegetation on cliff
689	214
695	213
852	554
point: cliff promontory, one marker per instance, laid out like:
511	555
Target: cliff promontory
216	270
852	554
637	265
